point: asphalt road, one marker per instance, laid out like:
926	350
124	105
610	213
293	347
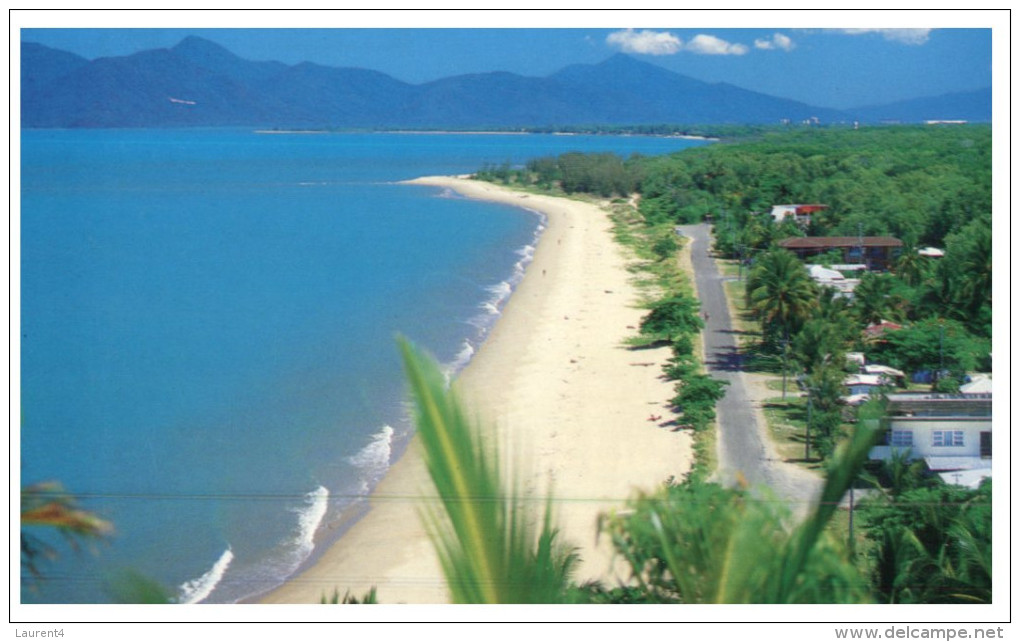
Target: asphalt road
744	454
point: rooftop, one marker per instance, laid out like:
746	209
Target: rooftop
822	242
932	404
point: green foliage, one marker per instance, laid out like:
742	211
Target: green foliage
969	273
819	342
696	397
920	184
502	173
832	257
873	300
545	170
675	319
665	246
901	473
934	344
367	598
672	318
781	293
702	543
603	174
932	545
492	550
130	587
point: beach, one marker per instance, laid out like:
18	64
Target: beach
574	411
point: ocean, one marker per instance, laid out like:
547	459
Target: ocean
207	334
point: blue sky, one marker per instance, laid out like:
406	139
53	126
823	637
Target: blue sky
827	67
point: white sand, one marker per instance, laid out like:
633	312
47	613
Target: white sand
568	404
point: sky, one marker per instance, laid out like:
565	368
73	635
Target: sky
884	57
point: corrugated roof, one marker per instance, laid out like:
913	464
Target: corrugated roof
957	463
813	242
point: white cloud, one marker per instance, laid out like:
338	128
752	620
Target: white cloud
905	36
663	43
710	45
778	41
654	43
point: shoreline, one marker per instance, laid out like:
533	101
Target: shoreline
553	385
480	132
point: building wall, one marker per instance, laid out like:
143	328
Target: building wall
959	437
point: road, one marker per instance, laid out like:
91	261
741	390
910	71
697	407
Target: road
745	453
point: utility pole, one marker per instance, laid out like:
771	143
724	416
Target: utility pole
860	241
942	340
786	344
850	542
807	427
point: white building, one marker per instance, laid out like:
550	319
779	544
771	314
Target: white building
826	277
950	432
799	212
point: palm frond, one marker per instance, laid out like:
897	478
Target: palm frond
843	470
47	504
492	548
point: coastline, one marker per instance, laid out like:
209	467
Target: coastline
553	384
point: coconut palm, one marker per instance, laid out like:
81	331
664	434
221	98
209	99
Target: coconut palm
819	342
873	299
931	545
912	267
970	251
781	292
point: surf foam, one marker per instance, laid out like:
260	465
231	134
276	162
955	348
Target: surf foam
194	591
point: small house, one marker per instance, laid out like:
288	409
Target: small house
952	433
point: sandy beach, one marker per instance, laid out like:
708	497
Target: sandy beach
568	403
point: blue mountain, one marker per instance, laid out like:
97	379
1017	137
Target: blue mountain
199	83
974	106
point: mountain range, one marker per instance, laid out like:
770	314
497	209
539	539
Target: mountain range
198	83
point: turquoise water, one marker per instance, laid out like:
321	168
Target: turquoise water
207	333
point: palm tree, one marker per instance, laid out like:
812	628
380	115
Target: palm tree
818	343
971	252
912	267
932	545
873	300
781	292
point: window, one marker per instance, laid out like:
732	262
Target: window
946	438
902	438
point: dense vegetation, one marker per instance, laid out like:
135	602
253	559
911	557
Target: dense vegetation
927	186
923	541
919	184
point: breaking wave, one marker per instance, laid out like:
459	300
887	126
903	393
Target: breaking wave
194	591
